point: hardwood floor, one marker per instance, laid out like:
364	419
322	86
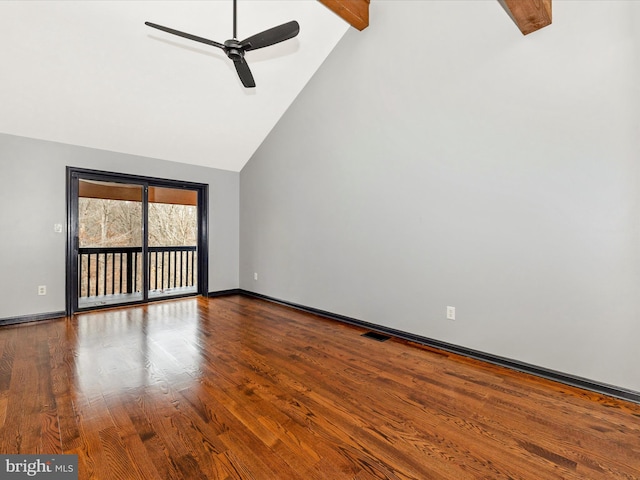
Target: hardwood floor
239	388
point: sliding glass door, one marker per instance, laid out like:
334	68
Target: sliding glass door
133	239
110	241
172	242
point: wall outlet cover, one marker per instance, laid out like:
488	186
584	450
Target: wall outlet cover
451	313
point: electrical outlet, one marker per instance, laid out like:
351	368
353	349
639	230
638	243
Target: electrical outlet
57	227
255	275
42	289
451	313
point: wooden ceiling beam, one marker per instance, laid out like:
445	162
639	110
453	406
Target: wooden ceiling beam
133	193
529	15
355	12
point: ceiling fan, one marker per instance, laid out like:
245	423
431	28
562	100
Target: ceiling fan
236	49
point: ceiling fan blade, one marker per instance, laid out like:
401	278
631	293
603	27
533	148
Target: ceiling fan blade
244	72
272	36
185	35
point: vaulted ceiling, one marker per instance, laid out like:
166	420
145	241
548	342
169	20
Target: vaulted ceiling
91	73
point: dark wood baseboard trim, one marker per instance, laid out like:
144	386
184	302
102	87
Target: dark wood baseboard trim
31	318
564	378
225	293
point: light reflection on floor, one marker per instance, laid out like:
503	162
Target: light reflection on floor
140	347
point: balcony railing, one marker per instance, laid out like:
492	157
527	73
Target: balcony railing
167	272
116	270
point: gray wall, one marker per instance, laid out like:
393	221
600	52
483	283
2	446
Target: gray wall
441	158
33	198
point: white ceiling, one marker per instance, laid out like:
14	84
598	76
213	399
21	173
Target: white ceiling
91	73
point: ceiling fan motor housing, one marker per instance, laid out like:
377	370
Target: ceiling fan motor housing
233	49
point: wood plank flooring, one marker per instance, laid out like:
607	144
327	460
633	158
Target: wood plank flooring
240	388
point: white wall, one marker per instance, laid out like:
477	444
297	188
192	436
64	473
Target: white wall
33	199
441	158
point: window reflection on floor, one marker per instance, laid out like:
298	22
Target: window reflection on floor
119	350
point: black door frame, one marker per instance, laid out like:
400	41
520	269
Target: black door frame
75	174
